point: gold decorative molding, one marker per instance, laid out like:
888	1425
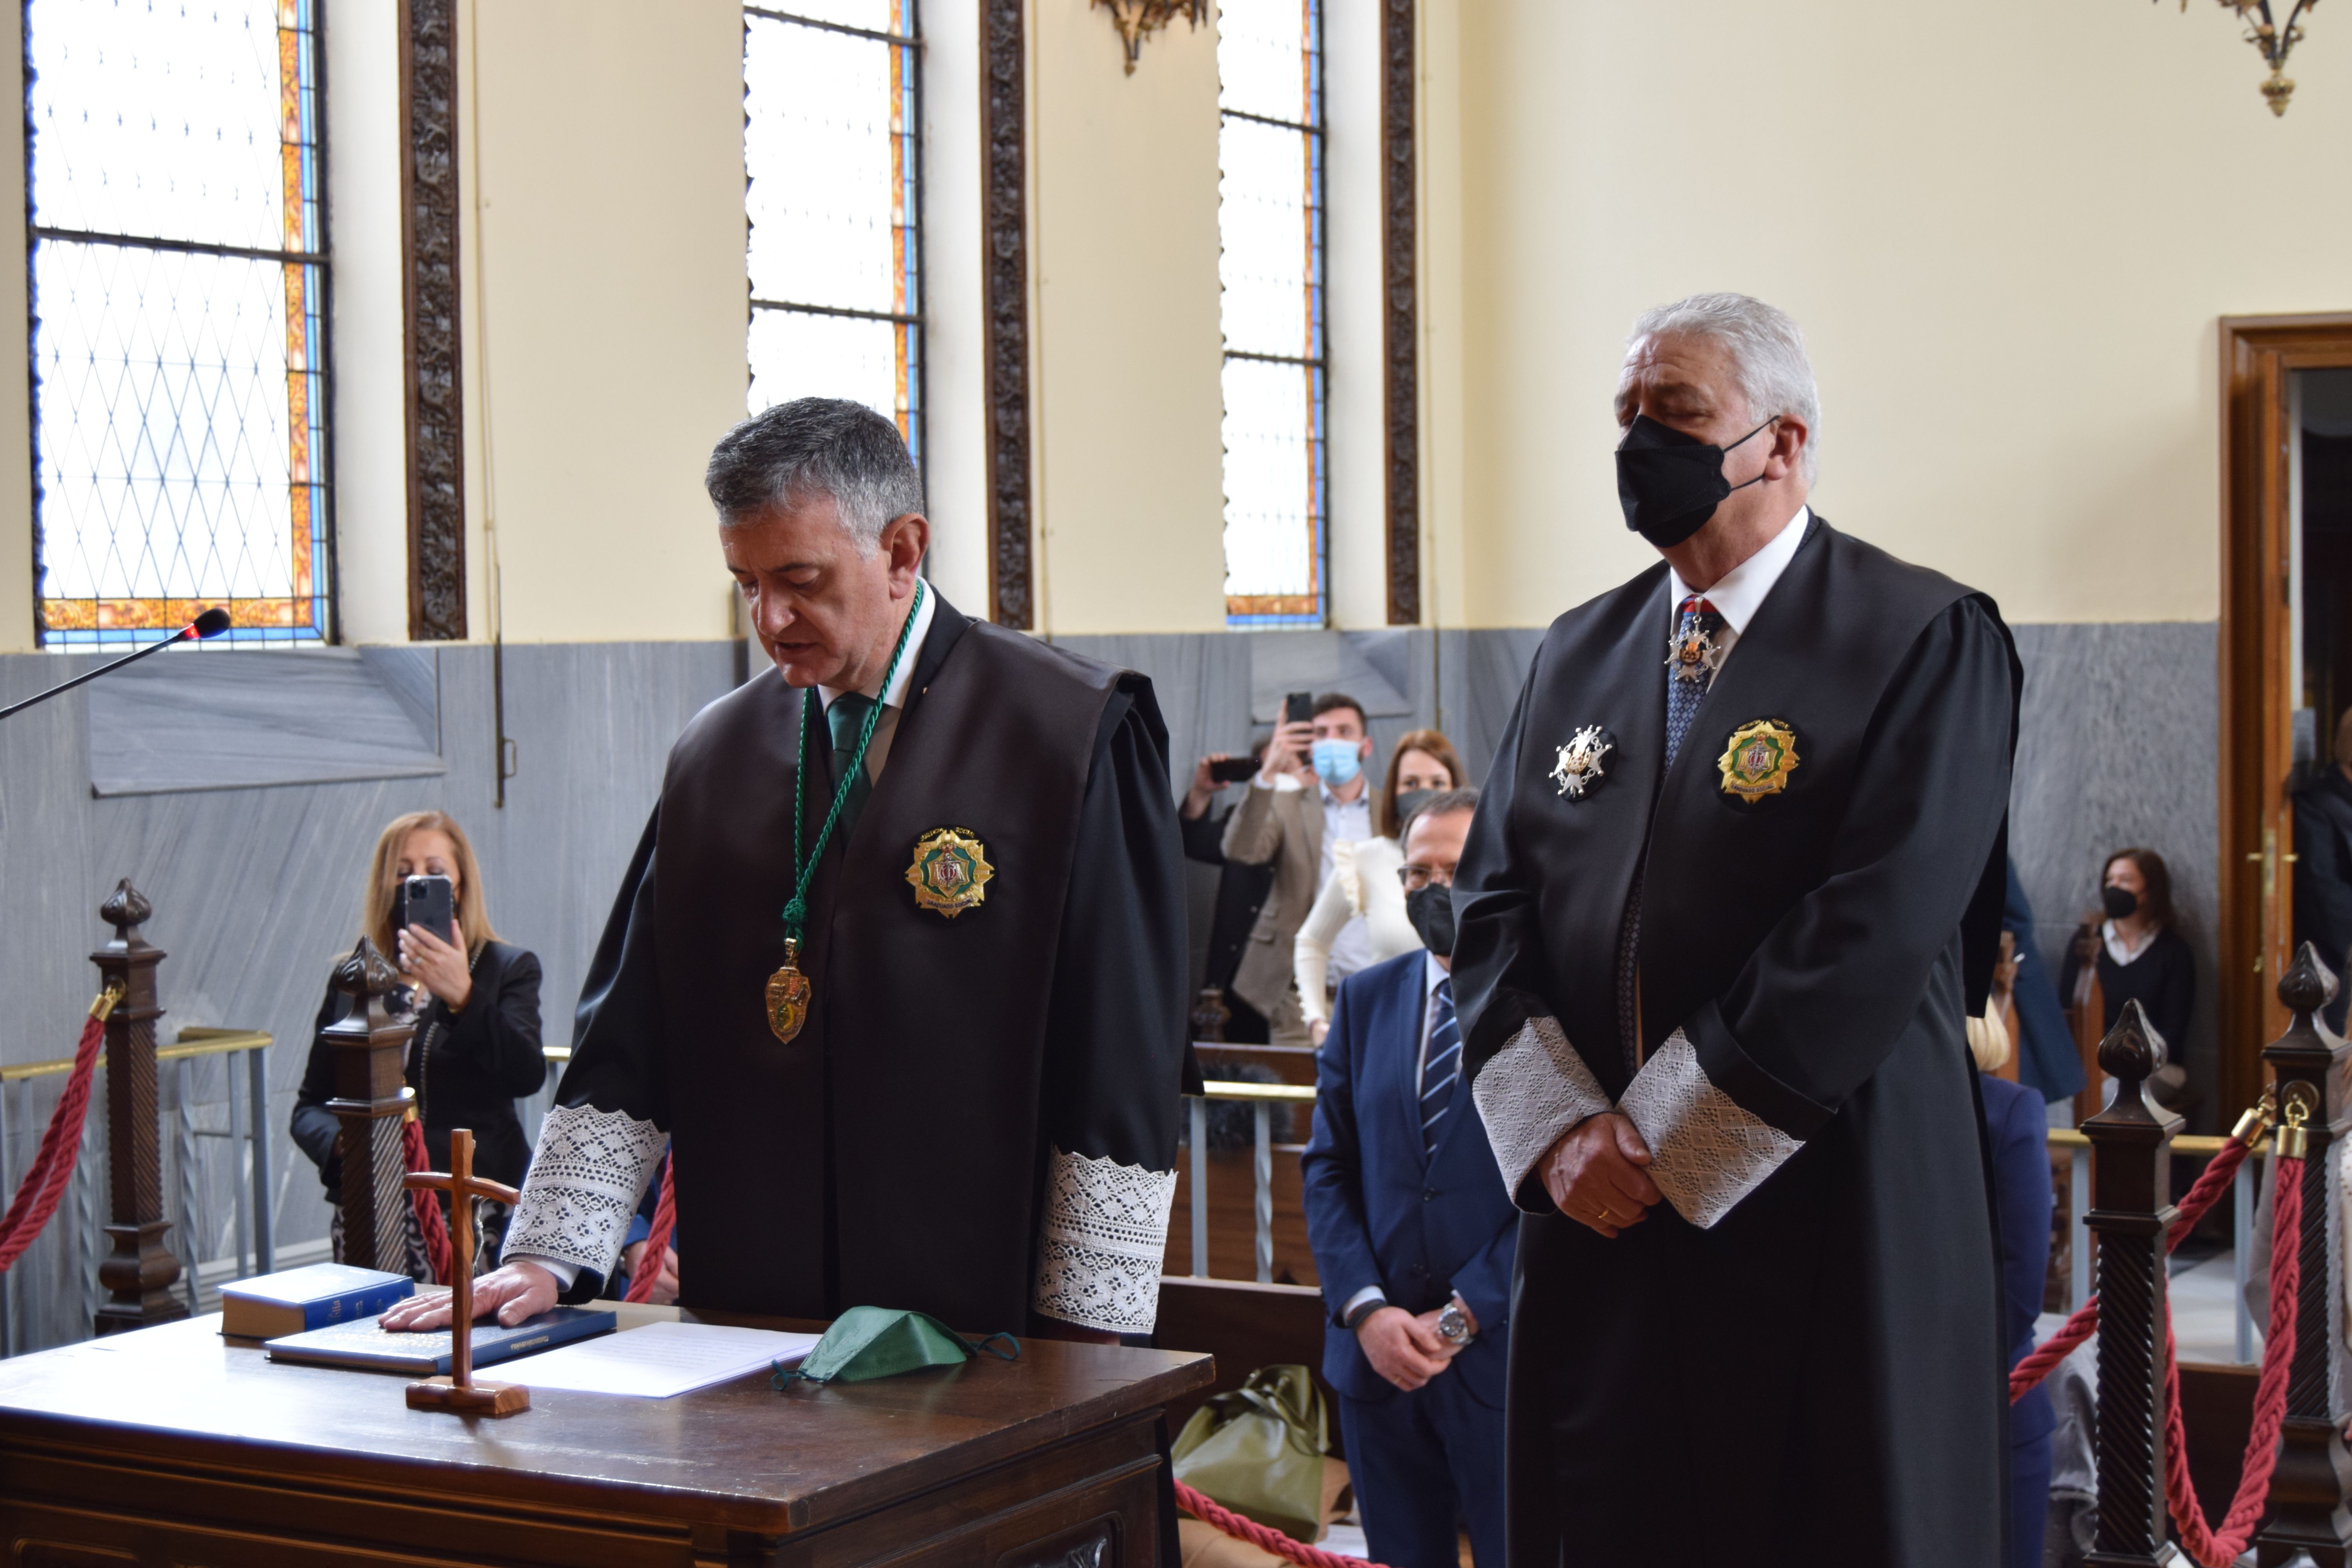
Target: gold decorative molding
1139	19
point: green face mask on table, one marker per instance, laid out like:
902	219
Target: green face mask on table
878	1342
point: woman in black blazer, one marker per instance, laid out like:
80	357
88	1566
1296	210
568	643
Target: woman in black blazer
475	1003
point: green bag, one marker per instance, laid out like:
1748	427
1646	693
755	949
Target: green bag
879	1341
1259	1450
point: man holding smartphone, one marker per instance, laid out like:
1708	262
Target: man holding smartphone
1310	796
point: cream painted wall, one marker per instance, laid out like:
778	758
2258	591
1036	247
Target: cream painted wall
2007	229
606	318
1123	174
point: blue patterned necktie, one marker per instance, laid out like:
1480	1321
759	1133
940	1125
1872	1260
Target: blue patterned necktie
1691	661
1441	1065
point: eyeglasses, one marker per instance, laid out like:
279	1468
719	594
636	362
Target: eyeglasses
1416	877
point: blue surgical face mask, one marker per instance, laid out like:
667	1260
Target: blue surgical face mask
1337	761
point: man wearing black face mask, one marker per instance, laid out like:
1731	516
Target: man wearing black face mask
1412	1234
1736	882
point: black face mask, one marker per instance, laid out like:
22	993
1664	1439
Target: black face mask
1670	483
2121	903
1431	911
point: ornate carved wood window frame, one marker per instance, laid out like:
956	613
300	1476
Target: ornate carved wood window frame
429	297
1400	314
1004	264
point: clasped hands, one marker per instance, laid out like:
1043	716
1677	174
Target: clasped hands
1597	1173
1405	1347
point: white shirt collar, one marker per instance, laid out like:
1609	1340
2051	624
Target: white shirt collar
1433	974
1741	592
1333	803
895	697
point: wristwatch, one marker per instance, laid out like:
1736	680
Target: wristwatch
1453	1327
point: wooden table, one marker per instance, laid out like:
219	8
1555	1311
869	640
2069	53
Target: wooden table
175	1446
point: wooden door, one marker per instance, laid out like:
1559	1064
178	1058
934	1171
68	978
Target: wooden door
2257	355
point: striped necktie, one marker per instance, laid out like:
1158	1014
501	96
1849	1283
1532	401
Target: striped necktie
1441	1065
1691	661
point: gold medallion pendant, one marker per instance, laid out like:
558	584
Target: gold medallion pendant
1759	759
788	996
951	871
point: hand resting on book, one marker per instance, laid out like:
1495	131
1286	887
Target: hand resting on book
515	1291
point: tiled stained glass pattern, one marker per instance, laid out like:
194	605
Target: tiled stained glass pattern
179	317
1270	223
831	110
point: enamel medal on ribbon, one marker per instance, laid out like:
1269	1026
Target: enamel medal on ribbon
788	995
1578	768
1692	655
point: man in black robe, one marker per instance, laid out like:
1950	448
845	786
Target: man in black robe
1711	966
975	1113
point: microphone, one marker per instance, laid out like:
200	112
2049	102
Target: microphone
211	624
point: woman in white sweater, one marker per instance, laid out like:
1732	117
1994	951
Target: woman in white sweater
1363	883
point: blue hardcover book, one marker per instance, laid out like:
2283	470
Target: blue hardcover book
369	1347
269	1305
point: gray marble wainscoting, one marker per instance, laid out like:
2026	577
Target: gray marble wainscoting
2119	746
246	800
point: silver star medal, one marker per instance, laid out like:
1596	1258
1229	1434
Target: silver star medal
1693	655
1579	766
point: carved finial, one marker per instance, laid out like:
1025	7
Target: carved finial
2132	1051
364	972
2308	983
126	910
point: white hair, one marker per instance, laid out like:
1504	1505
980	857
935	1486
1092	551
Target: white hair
1767	355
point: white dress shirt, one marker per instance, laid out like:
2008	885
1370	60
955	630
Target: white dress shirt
878	751
1347	822
1431	974
1741	591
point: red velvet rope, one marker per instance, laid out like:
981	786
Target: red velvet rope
2203	1195
434	1225
44	1185
1211	1512
649	1261
2215	1550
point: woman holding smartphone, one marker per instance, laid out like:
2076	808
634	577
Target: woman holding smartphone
475	1004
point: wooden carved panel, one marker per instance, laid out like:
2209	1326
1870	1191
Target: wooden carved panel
429	255
1400	315
1005	282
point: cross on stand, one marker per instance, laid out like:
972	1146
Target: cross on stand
459	1392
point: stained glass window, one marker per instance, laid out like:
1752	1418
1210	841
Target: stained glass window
1270	223
830	107
179	282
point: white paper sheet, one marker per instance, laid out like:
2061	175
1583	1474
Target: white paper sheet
659	1361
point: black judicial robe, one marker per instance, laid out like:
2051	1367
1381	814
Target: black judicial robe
1817	1376
961	1084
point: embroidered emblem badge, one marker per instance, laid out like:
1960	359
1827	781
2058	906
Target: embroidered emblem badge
1757	759
1579	767
1693	655
951	872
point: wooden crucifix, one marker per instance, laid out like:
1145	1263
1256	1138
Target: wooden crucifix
459	1392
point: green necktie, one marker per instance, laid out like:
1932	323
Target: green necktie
845	716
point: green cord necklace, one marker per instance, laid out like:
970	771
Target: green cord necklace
788	988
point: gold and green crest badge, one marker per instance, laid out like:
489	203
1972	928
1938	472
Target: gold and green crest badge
1759	759
951	872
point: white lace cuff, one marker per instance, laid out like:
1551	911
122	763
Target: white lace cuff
1534	1090
585	1183
1102	1242
1707	1151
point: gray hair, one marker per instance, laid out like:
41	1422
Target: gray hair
1444	802
791	453
1767	355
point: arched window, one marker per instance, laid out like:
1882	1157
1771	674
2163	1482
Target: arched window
831	147
1270	223
179	297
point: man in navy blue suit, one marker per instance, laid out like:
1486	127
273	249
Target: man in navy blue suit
1413	1237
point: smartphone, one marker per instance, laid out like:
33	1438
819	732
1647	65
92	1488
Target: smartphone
425	901
1298	707
1233	770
